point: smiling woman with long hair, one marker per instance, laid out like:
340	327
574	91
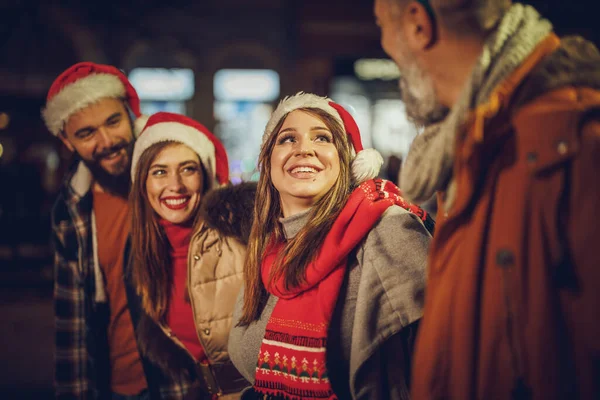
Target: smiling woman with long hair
335	271
189	231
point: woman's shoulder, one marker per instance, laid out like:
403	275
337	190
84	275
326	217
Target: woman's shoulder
395	210
399	237
229	210
396	219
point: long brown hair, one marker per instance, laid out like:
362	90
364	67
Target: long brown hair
151	271
303	248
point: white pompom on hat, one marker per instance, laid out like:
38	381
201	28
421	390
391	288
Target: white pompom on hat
165	126
84	84
366	163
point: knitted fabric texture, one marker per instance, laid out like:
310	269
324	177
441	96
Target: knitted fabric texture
428	167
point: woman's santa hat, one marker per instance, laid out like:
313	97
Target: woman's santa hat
366	163
84	84
165	127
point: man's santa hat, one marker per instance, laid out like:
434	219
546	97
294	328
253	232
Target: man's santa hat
84	84
366	162
165	127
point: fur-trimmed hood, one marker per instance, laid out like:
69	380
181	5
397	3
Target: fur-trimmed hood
229	210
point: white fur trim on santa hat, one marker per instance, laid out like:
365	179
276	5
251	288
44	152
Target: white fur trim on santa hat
177	132
78	95
299	100
366	165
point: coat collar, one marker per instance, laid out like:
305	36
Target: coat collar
77	182
229	210
491	119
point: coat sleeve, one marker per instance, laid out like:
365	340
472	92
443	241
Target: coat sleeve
395	255
245	341
237	338
389	305
71	356
581	259
386	374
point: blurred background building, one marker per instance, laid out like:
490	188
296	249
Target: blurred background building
225	63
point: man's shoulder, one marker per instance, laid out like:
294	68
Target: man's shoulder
60	209
67	206
574	66
554	100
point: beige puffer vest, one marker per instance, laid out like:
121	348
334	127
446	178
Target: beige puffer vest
215	266
215	263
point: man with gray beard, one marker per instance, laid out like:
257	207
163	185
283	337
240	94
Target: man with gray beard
511	146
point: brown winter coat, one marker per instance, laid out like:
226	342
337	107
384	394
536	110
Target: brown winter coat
512	302
215	274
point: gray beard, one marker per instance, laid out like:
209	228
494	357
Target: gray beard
418	95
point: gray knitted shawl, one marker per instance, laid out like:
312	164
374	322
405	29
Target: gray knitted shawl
428	167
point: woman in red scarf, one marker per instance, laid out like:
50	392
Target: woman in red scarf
188	247
335	272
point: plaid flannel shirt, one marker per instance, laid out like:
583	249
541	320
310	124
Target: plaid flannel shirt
74	292
78	349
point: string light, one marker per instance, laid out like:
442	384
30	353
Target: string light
368	69
4	120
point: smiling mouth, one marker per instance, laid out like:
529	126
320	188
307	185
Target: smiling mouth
111	156
303	172
176	203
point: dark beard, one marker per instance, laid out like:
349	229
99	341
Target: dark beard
118	185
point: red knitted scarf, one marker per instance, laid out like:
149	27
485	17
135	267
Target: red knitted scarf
292	358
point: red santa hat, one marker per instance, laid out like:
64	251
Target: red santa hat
164	127
83	84
366	162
